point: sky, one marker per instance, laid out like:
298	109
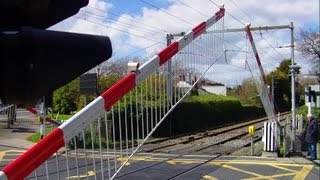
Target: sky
139	28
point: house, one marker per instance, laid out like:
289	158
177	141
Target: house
203	86
182	85
210	87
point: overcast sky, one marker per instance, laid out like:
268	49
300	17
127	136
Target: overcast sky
134	25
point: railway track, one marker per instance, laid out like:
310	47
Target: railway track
185	145
206	141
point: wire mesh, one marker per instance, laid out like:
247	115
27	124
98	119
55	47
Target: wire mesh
258	76
105	146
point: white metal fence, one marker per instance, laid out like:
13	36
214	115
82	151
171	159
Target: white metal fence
8	113
98	141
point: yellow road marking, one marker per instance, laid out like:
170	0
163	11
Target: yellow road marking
209	177
243	171
253	162
283	168
89	174
171	162
2	153
271	177
8	152
12	154
7	160
303	172
17	151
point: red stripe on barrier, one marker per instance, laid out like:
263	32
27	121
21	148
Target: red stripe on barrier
258	59
265	80
270	97
249	34
220	14
198	30
53	121
117	91
32	110
34	157
168	52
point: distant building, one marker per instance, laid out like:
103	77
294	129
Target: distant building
210	87
203	87
182	85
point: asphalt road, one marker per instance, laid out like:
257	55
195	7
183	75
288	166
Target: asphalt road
149	166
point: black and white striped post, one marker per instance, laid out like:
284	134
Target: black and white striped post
269	134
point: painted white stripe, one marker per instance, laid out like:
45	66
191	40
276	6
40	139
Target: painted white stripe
270	131
272	137
3	176
265	135
185	40
82	119
268	136
147	68
211	21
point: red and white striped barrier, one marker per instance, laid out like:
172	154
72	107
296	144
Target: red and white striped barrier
264	79
39	153
270	129
47	119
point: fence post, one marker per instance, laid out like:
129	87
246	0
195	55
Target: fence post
8	115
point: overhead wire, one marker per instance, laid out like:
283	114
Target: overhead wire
192	8
124	24
128	18
245	13
121	30
229	13
160	9
277	60
142	49
203	14
144	37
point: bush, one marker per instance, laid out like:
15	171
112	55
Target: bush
304	111
201	112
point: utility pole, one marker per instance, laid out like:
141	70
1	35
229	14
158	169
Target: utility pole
170	37
169	82
293	67
272	89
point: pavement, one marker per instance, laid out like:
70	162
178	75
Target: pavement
146	166
14	137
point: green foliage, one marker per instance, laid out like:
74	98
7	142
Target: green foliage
68	99
105	83
282	84
65	98
63	116
201	112
247	93
281	151
304	111
34	138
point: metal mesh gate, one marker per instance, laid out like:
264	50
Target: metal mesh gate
99	140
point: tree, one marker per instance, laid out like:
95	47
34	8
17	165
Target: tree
65	98
282	85
247	93
309	45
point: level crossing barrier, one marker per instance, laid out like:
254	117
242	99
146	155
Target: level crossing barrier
100	139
